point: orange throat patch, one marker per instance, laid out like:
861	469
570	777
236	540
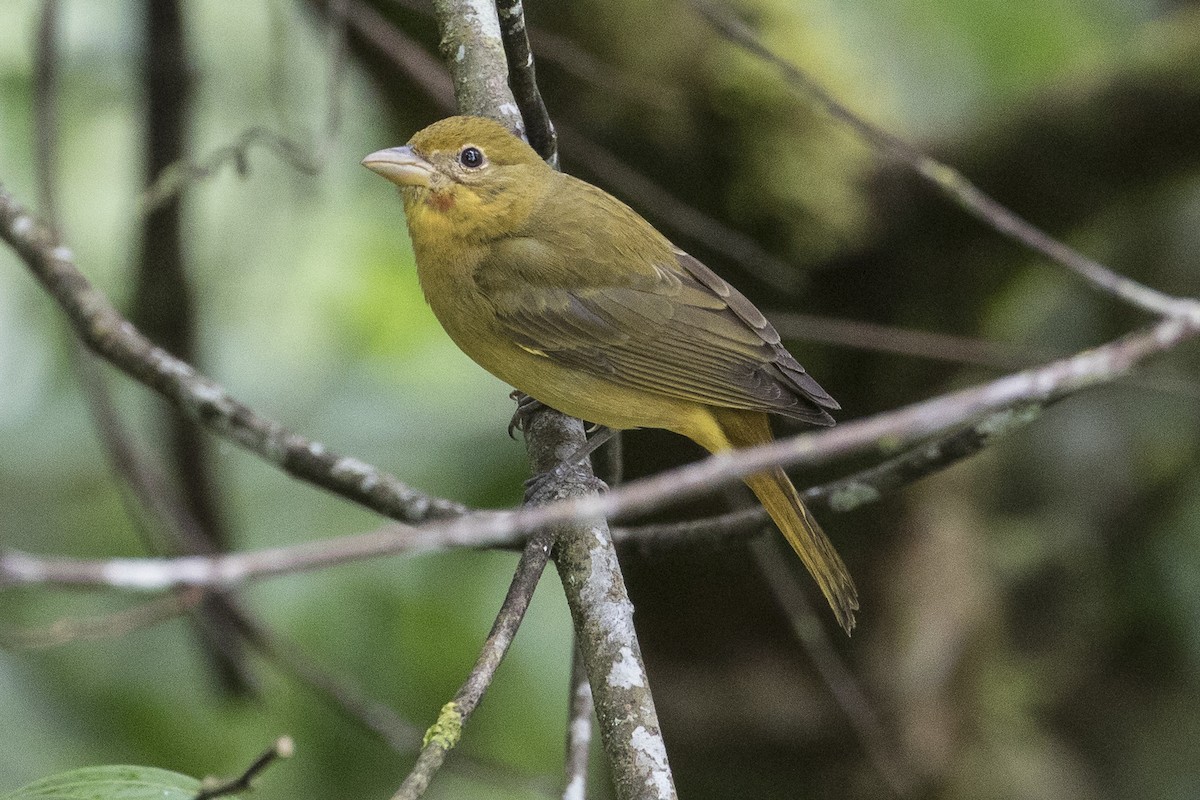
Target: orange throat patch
440	201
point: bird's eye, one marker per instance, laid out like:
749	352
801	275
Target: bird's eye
471	157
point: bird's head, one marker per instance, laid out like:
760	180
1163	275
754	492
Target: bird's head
464	177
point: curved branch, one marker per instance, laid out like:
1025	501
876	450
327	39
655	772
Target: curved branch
102	328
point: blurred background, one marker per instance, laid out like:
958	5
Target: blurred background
1031	617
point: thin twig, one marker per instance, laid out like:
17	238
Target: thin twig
69	630
45	110
522	78
970	350
175	177
949	181
178	175
283	747
845	688
659	97
106	332
905	341
403	51
444	734
579	731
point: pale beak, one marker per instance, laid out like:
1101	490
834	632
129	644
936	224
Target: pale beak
400	165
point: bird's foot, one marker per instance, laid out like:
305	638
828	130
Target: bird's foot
526	407
539	486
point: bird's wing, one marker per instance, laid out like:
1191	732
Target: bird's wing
675	328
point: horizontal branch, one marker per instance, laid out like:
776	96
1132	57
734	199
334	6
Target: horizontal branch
102	328
986	410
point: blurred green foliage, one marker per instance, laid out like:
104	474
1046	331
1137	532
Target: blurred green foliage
1031	623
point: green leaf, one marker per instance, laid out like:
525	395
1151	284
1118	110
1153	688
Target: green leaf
110	783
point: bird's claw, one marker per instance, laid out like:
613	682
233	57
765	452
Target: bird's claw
526	407
538	485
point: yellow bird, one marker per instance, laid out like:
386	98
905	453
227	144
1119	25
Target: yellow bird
561	290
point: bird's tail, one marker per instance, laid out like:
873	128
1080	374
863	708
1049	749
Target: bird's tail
779	497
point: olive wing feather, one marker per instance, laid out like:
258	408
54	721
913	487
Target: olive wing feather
676	329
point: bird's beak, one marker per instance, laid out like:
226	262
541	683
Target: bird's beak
400	165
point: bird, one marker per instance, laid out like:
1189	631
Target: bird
567	294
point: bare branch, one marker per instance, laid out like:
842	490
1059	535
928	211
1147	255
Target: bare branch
472	48
522	78
988	411
947	347
583	550
112	337
579	731
109	626
602	616
947	180
283	747
444	735
178	175
405	52
905	341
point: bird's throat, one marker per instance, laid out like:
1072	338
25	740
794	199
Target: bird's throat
440	201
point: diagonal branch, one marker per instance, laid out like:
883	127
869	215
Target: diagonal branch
987	411
846	690
947	180
102	328
444	734
522	77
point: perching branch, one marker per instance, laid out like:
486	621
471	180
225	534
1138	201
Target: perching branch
999	406
102	328
986	411
583	550
473	50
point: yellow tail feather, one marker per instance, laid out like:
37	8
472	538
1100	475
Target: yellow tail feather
779	497
721	429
